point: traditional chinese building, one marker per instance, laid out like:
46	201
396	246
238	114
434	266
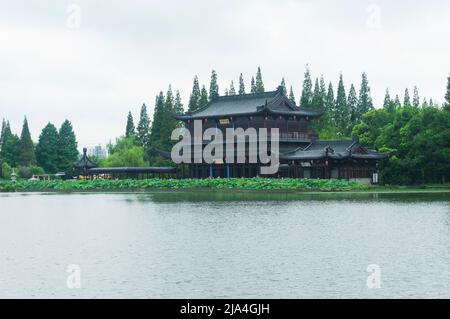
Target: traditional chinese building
301	153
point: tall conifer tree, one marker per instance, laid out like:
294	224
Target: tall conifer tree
47	149
407	99
143	128
67	148
27	155
195	95
416	98
203	97
232	90
291	95
307	94
259	85
365	103
342	113
252	85
130	130
283	85
241	85
447	94
352	103
213	87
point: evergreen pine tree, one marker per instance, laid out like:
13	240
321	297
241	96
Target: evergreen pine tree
387	100
259	85
213	87
407	99
143	128
2	134
195	95
317	100
447	94
241	85
342	113
203	97
47	149
226	92
431	104
397	102
232	90
352	103
178	108
416	99
323	91
365	103
307	94
67	148
168	122
252	86
27	156
330	104
291	95
424	103
130	129
157	123
10	149
283	85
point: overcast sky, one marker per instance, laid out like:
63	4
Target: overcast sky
93	61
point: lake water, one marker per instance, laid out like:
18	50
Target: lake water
224	245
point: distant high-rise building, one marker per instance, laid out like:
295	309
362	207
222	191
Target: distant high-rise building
98	151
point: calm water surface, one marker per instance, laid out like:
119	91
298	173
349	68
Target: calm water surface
224	245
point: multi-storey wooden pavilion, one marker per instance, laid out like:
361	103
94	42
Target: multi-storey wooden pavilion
301	153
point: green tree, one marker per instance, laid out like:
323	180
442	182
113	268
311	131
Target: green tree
252	85
195	96
387	104
241	85
6	171
10	148
143	128
283	85
307	94
47	149
213	86
27	156
203	97
397	102
2	132
407	99
342	113
67	148
130	129
365	103
291	95
126	154
178	107
447	94
232	90
156	135
425	103
330	104
317	100
352	103
416	99
259	85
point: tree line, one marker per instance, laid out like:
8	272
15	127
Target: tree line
56	150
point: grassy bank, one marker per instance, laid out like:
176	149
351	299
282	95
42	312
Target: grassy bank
157	184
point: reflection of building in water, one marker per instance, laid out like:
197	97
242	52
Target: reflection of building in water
98	151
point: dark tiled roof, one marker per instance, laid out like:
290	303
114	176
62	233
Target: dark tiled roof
340	149
84	162
274	102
